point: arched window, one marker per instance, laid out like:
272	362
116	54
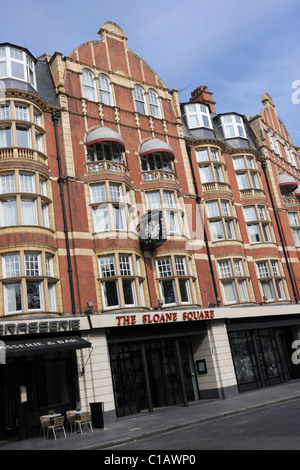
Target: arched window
105	89
154	103
88	83
140	102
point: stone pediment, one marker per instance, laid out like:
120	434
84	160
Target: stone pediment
112	29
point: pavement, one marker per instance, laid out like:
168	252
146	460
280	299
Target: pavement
139	426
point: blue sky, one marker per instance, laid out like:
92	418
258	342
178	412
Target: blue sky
240	49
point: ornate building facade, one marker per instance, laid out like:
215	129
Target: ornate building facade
149	248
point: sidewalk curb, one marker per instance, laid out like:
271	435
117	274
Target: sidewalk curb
116	442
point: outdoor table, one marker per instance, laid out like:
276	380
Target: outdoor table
54	415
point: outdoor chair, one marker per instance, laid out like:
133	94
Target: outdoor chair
45	423
85	418
71	419
58	425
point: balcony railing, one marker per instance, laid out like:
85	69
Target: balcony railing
104	166
216	186
158	175
291	201
252	192
8	153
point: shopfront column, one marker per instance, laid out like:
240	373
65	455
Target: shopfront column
222	359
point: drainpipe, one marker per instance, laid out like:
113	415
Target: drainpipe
61	180
264	167
198	200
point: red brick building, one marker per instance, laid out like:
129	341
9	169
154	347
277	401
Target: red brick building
149	249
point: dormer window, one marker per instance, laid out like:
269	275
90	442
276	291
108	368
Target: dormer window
16	63
233	126
197	115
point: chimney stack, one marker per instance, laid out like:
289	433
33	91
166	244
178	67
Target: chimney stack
201	94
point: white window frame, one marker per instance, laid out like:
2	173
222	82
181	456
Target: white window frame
88	85
232	276
140	99
34	215
233	126
5	112
27	182
154	104
198	115
7	183
21	132
22	112
5	136
13	56
41	295
12	218
271	280
105	89
11	265
6	297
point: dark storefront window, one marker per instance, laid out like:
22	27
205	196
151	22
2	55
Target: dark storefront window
259	357
47	382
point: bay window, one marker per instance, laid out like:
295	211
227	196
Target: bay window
258	224
233	280
23	282
295	226
169	203
211	166
222	222
121	282
246	172
175	280
20	208
21	134
271	280
110	206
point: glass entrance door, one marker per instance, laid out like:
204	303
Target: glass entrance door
8	402
161	366
163	374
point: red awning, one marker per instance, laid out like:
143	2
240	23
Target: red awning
287	181
102	134
155	145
